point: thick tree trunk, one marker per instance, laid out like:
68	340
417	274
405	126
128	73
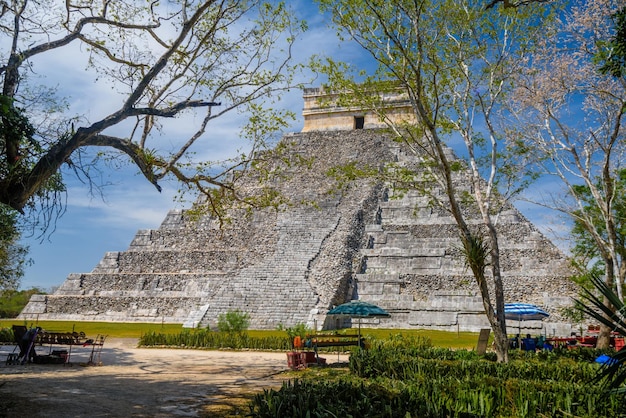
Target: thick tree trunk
499	295
501	342
496	319
604	336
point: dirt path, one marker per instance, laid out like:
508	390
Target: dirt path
138	382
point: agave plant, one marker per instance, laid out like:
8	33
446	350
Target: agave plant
612	374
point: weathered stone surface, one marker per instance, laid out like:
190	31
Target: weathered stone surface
291	266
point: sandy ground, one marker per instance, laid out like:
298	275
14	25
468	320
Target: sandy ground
139	382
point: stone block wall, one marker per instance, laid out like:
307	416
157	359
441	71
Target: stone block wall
415	269
292	265
322	112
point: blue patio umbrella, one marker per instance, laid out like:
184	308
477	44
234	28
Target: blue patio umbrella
524	312
359	309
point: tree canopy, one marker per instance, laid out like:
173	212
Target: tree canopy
13	255
612	52
586	251
13	301
572	102
195	59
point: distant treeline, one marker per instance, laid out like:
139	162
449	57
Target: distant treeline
13	301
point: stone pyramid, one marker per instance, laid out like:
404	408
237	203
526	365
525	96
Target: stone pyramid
291	266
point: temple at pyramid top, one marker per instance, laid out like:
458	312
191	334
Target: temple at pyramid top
324	111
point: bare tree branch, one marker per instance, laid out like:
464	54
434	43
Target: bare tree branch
166	62
510	4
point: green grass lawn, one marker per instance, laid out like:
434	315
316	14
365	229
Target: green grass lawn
135	330
92	329
443	339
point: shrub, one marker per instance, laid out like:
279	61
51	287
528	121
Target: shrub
299	330
6	335
233	321
392	380
203	338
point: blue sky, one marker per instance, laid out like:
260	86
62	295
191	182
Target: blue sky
92	225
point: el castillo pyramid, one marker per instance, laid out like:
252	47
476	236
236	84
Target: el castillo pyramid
291	266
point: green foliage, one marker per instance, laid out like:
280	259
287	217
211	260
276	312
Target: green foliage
21	149
573	314
414	363
300	330
408	377
13	301
13	255
6	335
244	70
590	221
204	338
16	137
613	315
611	55
346	174
476	253
438	396
327	399
276	340
233	321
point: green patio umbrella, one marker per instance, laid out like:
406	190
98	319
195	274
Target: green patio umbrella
359	309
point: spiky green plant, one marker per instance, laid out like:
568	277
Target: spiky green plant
613	315
476	252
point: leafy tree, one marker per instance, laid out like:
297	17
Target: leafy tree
13	301
13	125
13	255
196	59
586	251
612	54
513	3
453	63
571	101
298	330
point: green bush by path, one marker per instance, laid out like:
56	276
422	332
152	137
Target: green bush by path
408	377
434	397
326	399
6	335
136	330
457	364
203	338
